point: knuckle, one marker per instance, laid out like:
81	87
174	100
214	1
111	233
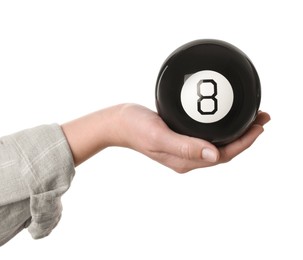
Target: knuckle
182	167
181	170
224	157
184	151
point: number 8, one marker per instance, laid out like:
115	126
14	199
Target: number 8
205	98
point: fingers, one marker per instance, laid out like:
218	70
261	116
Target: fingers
196	149
262	118
183	153
235	148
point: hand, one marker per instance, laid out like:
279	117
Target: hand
140	129
146	132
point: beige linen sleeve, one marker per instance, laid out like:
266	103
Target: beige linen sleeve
36	169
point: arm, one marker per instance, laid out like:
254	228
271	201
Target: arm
138	128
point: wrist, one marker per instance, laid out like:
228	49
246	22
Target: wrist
92	133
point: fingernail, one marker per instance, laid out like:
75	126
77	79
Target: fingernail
209	155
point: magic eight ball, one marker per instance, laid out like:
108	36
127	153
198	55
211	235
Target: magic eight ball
208	89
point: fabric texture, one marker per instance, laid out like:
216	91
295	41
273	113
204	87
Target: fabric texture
36	169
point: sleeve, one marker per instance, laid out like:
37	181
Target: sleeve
44	163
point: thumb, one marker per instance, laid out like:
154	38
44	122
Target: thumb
190	148
210	154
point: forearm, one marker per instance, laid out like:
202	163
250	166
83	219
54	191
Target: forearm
92	133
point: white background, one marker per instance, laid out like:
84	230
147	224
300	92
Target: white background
62	59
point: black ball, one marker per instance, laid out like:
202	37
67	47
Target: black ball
208	89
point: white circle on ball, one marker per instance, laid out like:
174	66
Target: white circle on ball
206	96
